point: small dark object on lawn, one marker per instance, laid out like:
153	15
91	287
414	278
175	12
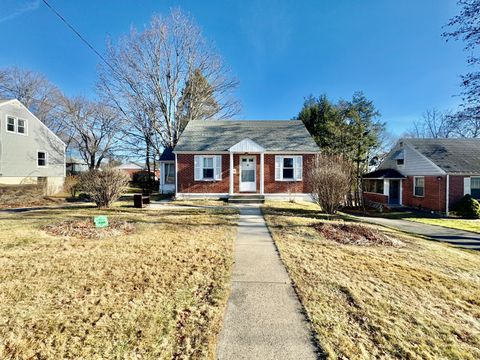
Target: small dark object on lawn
140	200
355	234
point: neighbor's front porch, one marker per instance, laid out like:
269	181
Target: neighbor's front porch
383	187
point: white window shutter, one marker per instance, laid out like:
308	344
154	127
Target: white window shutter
298	167
466	186
218	167
278	167
198	167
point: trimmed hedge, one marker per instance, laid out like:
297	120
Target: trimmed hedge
468	207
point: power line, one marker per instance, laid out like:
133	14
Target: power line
85	41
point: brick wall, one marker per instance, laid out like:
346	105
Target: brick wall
434	194
187	184
456	189
186	176
377	198
272	186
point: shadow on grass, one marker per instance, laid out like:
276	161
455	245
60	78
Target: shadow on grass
303	213
179	218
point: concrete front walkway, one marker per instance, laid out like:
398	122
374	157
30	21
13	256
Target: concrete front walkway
460	238
264	318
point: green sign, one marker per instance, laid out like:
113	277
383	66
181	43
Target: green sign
101	221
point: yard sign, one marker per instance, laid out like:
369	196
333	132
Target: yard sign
101	221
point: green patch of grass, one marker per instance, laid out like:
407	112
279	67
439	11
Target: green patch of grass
461	224
157	293
417	301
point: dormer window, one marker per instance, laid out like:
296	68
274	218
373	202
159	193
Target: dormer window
400	161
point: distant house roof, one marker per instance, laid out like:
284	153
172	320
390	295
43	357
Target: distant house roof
452	155
74	160
167	155
221	135
384	174
130	166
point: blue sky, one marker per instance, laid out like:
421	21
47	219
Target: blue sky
280	51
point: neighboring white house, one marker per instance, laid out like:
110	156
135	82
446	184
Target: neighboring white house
29	152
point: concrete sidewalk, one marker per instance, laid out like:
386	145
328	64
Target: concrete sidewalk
264	318
459	238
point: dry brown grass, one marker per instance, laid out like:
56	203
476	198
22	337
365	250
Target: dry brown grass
420	301
28	195
158	293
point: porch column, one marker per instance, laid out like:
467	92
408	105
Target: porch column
231	174
261	173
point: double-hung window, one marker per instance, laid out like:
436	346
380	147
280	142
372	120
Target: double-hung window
10	124
208	167
288	168
16	125
21	126
41	159
419	186
475	187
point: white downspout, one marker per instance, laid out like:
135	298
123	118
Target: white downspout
262	175
176	175
231	174
447	200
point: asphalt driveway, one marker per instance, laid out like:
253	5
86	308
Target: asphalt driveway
459	238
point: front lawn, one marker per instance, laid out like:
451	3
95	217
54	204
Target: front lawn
158	292
461	224
420	300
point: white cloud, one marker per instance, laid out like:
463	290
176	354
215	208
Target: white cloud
15	12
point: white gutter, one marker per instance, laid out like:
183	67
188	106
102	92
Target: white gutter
447	195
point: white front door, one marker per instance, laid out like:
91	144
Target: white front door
248	174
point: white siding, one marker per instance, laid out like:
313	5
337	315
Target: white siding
18	153
414	163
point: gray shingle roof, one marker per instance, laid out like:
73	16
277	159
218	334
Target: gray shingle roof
220	135
452	155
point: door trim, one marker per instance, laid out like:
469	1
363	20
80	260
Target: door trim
254	157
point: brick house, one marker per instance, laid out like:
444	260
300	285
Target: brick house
226	158
429	174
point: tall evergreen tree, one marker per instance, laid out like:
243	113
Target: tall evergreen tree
198	100
349	128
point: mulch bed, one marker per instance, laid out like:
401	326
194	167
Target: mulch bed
85	229
354	234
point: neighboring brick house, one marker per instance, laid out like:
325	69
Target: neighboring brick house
430	174
225	158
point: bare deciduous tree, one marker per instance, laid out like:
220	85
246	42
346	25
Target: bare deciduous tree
36	92
330	179
165	76
433	124
95	129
